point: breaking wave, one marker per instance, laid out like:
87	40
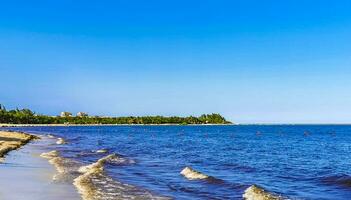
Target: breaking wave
91	180
255	192
67	169
50	136
94	184
192	174
101	151
111	159
60	141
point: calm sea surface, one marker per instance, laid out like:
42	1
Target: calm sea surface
299	162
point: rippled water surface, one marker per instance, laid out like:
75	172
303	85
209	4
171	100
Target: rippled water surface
299	162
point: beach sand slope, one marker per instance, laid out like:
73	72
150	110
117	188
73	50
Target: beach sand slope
13	140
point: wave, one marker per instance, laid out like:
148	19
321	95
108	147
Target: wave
67	169
91	180
60	141
255	192
50	155
97	165
50	136
192	174
101	151
341	180
110	159
94	184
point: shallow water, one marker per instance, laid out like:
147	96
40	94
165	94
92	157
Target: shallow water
298	162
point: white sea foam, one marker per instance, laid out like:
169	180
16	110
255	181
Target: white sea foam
112	159
257	193
94	184
60	141
101	151
192	174
50	136
91	180
50	155
66	168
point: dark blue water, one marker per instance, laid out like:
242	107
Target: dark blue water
299	162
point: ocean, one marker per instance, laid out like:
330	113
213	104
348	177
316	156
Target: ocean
294	161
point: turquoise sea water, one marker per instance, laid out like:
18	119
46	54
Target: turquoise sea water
298	162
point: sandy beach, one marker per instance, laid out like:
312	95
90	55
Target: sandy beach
13	140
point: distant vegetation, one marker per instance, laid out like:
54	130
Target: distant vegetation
26	116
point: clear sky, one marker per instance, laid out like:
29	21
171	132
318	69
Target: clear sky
252	61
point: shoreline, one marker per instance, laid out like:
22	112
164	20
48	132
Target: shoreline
89	180
48	175
45	174
10	141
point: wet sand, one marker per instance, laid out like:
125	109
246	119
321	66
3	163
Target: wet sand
24	175
13	140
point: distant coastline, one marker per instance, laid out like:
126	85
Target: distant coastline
227	124
68	125
26	116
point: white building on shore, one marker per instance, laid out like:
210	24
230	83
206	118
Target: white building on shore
66	114
82	114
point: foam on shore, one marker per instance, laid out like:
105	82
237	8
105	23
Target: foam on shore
257	193
50	155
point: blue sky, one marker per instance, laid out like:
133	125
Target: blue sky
252	61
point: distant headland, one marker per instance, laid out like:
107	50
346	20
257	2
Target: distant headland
26	116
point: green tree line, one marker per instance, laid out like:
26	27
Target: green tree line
26	116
